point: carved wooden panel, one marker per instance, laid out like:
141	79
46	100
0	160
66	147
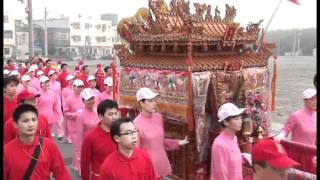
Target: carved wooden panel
177	130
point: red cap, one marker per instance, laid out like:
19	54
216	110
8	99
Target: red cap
273	153
98	65
26	95
81	62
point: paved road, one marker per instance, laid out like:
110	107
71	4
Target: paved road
66	151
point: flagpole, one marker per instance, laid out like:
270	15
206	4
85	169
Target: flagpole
266	28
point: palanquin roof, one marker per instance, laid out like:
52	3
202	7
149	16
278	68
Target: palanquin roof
199	63
164	37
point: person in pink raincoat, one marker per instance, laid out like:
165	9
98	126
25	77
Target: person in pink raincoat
25	85
49	106
226	157
302	124
34	81
72	108
86	120
67	92
151	131
107	93
92	85
55	86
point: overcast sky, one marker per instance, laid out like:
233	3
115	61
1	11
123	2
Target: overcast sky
288	16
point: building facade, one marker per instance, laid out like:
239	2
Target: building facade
72	37
22	40
58	37
8	36
91	37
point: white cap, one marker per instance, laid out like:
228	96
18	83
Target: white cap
69	77
40	73
51	72
44	79
14	73
87	93
90	78
145	93
229	109
309	93
25	78
34	66
31	69
78	82
108	81
6	72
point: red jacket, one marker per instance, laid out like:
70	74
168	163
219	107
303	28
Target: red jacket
82	76
10	132
100	75
118	167
16	159
8	108
96	146
62	79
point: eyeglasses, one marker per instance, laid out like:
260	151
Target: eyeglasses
136	131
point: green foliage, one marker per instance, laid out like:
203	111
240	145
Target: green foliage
284	40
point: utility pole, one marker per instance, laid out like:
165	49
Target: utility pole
45	33
29	11
294	44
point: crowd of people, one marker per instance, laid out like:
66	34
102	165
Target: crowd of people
43	100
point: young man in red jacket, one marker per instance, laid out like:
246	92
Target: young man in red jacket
128	162
10	85
63	75
97	143
20	152
10	132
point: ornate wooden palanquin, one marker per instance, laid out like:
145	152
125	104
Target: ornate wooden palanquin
196	62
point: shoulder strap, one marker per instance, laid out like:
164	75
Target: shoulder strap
33	162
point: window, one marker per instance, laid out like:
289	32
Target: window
104	27
76	38
76	25
7	34
5	19
62	36
98	39
88	38
98	26
104	39
87	26
24	39
6	51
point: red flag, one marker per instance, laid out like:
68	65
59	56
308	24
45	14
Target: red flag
294	1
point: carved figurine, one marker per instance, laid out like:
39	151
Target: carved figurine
217	17
253	28
208	16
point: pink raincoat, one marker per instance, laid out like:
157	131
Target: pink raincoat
86	120
153	141
71	111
